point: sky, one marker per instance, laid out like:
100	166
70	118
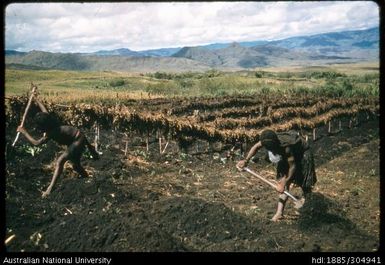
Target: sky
90	27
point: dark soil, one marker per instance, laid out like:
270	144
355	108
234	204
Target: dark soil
146	201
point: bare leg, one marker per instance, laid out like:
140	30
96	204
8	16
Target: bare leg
306	192
58	170
281	204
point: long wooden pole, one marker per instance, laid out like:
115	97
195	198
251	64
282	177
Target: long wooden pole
9	239
34	88
269	183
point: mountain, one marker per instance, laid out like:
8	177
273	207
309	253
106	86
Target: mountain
13	52
199	54
334	47
356	43
65	61
163	52
117	52
144	64
80	62
25	67
237	56
334	39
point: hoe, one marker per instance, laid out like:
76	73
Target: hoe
269	183
33	90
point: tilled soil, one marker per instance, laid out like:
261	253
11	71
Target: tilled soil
146	201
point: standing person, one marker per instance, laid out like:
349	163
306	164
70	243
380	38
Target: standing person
70	136
294	159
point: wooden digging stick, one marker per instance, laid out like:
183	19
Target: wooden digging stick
34	88
268	182
9	239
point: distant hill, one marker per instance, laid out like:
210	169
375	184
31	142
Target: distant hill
334	47
12	52
164	52
144	64
199	54
237	56
334	39
78	62
358	43
48	60
117	52
25	67
216	46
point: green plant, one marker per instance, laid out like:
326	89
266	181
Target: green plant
30	149
259	74
141	153
183	156
265	90
116	82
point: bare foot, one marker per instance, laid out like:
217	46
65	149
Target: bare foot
277	217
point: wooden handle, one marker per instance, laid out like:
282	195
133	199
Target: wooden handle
25	113
268	182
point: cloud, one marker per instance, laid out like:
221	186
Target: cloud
85	27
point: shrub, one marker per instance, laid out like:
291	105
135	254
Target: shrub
259	74
163	75
116	82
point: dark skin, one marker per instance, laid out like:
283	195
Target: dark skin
64	135
285	180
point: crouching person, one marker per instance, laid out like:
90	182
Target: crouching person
295	163
69	136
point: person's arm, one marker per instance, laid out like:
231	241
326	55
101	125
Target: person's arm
252	152
30	138
292	166
41	106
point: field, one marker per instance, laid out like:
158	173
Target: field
167	179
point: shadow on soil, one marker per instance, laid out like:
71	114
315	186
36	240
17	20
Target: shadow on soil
326	221
319	211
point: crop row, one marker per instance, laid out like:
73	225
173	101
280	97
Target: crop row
229	130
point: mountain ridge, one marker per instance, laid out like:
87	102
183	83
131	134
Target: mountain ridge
333	47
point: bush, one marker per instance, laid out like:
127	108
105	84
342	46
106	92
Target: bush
163	75
259	74
116	82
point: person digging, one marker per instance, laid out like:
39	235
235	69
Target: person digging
294	160
69	136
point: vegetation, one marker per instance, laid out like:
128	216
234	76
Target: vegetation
116	82
227	119
73	86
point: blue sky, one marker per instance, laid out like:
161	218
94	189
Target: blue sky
88	27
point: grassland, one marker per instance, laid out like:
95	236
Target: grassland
78	86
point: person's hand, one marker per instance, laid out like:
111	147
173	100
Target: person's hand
281	185
20	129
34	90
46	193
241	164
